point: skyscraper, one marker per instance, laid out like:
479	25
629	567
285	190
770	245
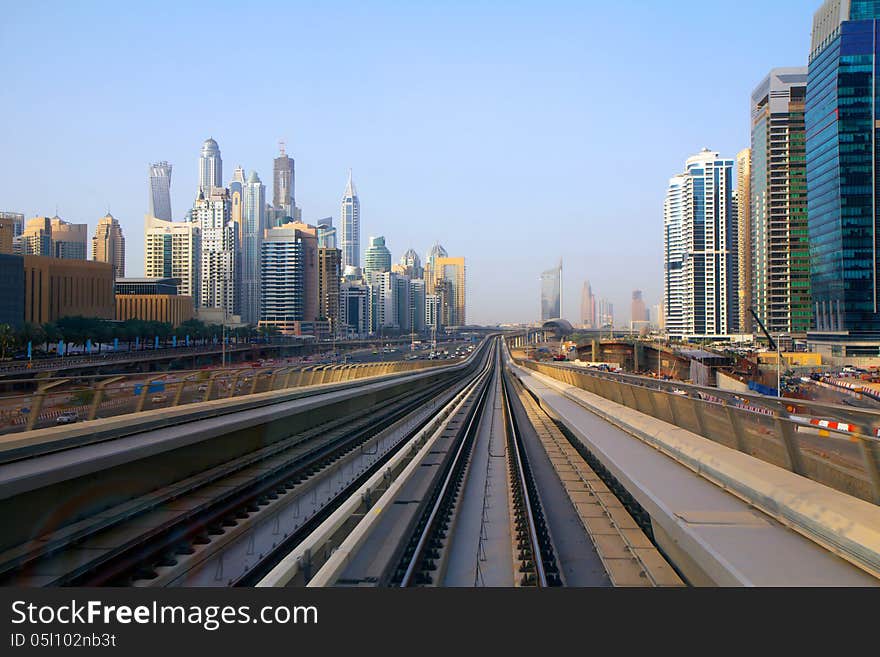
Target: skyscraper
326	234
588	307
377	259
638	311
108	244
219	246
780	256
449	274
253	225
744	235
172	249
282	270
351	226
354	308
551	293
437	251
210	168
160	190
701	288
843	161
329	274
283	182
69	240
412	264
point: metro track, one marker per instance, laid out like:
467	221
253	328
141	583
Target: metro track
170	531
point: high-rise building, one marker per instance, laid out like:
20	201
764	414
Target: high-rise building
172	249
354	308
377	259
780	250
219	249
744	235
588	307
37	237
384	311
437	251
701	287
210	168
417	305
350	218
450	275
16	219
69	240
160	190
329	275
253	225
606	313
843	161
638	311
551	293
283	183
305	295
433	309
108	244
7	235
412	264
282	270
326	233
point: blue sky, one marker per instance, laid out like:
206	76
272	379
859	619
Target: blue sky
515	133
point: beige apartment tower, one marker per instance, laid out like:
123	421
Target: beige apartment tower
108	244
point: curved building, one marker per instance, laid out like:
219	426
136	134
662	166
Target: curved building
377	258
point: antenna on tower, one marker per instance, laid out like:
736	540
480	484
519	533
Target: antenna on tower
282	145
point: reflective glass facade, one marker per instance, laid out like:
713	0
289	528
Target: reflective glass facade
841	129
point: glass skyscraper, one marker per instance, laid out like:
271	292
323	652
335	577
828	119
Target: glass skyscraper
551	293
160	190
842	130
351	226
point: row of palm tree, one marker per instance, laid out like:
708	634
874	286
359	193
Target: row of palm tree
78	331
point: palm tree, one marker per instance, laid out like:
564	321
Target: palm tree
7	340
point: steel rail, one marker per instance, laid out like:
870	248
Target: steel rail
519	457
452	472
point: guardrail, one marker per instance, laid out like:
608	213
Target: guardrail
847	460
113	395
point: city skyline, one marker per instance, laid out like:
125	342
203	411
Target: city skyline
395	151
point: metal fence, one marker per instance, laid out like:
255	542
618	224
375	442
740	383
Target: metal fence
847	459
87	398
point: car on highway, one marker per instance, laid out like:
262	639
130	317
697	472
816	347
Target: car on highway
67	417
158	399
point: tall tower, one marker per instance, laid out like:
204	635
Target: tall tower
172	249
252	226
108	244
210	167
284	183
744	227
588	307
551	293
780	251
701	257
219	246
160	190
843	160
351	226
377	258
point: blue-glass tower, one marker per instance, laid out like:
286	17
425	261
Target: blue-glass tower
842	128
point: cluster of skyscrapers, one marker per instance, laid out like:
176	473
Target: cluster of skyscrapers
789	229
246	261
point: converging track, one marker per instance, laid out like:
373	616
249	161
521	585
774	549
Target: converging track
452	477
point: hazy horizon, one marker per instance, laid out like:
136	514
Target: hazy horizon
513	133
